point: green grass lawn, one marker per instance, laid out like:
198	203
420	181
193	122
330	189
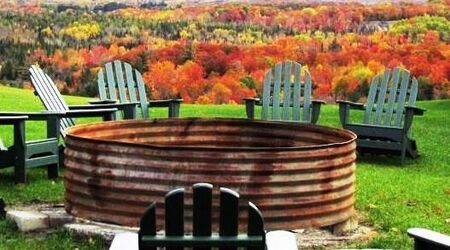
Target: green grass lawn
391	197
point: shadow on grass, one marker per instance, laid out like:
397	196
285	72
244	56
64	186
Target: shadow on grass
384	160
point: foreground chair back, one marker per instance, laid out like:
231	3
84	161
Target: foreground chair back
388	114
286	95
202	213
118	81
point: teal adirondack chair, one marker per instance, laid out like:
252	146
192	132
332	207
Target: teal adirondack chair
286	95
119	82
388	115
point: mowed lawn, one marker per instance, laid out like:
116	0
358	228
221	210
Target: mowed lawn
390	198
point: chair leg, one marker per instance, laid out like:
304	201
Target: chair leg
52	171
20	150
405	141
411	148
19	170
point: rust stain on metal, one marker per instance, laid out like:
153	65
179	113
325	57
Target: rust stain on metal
299	175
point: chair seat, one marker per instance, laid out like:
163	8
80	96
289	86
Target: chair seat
364	131
40	141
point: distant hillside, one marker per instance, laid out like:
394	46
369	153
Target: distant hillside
172	2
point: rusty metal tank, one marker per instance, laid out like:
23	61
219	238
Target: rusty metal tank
299	175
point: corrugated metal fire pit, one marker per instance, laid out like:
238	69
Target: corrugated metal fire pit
299	175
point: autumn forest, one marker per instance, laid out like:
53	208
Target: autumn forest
211	53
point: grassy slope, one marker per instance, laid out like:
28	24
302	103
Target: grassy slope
391	197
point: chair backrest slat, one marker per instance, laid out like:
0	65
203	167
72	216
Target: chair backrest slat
174	204
202	212
255	220
392	96
371	99
307	98
147	225
49	95
266	95
229	211
297	92
120	81
402	97
276	92
131	82
382	97
287	90
111	82
413	92
142	94
101	85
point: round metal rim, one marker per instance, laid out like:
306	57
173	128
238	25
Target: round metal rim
71	133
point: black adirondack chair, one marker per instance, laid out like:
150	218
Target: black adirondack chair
53	101
119	82
202	237
425	239
27	154
286	95
388	115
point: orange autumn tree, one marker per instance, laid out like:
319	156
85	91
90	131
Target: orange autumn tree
166	80
191	82
162	80
227	88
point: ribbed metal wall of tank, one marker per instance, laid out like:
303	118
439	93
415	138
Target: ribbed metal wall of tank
299	175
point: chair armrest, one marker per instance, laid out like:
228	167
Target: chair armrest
95	102
119	106
128	108
37	116
52	118
353	105
415	110
315	110
8	120
89	113
250	103
429	239
173	106
344	110
251	99
163	103
319	102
